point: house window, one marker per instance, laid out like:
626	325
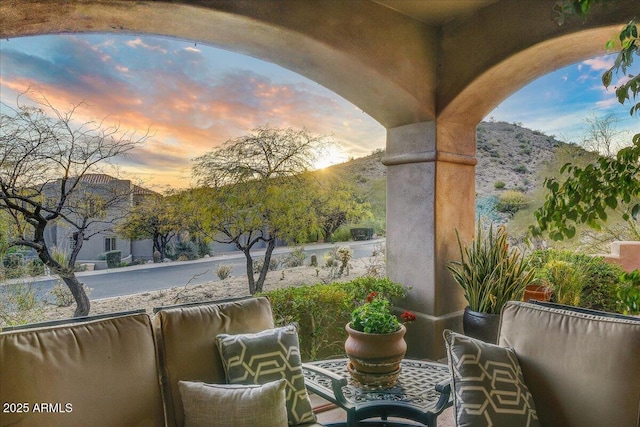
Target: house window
109	244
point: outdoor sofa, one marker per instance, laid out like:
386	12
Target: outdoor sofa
574	367
121	370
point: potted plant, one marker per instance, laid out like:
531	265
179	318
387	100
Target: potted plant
375	345
490	274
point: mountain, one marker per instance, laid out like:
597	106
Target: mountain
510	157
506	152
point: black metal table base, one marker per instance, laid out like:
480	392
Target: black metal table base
422	393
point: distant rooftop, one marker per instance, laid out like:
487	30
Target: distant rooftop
101	178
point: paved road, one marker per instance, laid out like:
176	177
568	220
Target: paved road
153	277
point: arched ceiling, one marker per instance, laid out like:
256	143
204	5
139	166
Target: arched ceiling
400	62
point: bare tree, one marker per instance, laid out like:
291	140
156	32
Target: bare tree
47	159
602	136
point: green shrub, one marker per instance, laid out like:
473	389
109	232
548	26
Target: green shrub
600	279
520	169
183	250
322	311
511	202
113	259
499	185
629	293
342	234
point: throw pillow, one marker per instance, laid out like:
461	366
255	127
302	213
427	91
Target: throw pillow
488	386
222	405
267	356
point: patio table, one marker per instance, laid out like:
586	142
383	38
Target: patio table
421	394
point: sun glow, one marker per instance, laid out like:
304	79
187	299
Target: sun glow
329	157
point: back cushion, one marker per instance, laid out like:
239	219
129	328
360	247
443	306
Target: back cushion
582	369
99	373
188	343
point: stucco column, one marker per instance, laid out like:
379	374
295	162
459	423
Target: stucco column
430	194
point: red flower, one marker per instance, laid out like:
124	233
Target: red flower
408	316
371	296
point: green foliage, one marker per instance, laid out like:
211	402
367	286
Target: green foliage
113	259
157	218
511	201
587	195
183	250
489	271
629	293
223	271
520	169
255	189
499	185
322	311
374	317
597	279
342	234
20	304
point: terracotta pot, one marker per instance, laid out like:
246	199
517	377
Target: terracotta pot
374	359
537	292
483	326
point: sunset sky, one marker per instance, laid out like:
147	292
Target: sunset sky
195	97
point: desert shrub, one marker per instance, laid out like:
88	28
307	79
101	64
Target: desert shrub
202	248
223	271
113	259
499	185
62	296
274	264
321	311
511	202
295	258
35	267
184	250
486	209
520	169
600	279
20	303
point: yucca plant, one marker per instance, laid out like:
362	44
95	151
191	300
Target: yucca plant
490	272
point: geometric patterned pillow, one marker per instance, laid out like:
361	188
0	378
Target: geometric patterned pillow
267	356
488	386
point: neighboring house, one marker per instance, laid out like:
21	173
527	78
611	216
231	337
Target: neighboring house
96	188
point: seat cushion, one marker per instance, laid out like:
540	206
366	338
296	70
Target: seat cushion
187	343
222	405
582	368
488	387
99	373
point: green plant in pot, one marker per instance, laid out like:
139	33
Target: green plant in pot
490	273
375	345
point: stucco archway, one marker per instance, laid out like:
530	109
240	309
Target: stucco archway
427	73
